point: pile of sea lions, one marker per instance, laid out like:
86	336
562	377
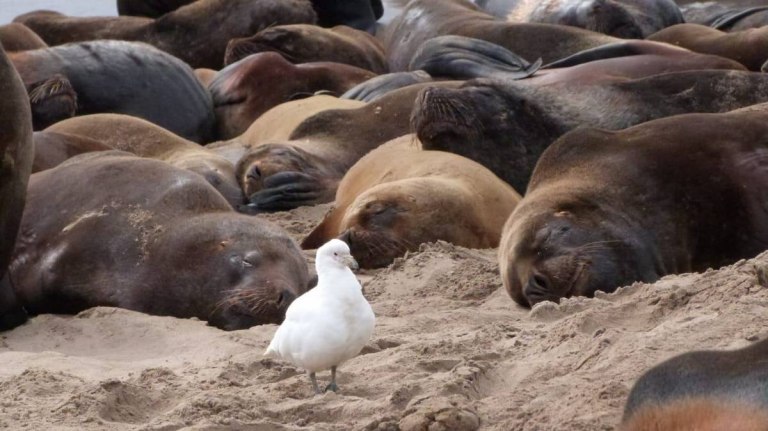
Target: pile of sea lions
596	143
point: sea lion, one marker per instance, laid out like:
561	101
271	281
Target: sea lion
605	208
140	234
18	37
306	170
309	43
360	14
278	124
510	123
374	88
149	8
53	149
52	100
197	33
140	137
244	90
15	165
398	197
748	47
703	390
627	19
120	77
422	20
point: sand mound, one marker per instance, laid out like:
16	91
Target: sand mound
451	351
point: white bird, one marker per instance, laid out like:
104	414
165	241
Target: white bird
331	323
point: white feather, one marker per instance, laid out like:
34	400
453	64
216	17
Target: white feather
331	323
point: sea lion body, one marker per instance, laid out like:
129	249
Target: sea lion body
605	209
307	169
703	390
197	33
127	78
301	43
53	148
16	149
398	197
140	234
134	135
510	123
748	47
628	19
422	20
244	90
18	37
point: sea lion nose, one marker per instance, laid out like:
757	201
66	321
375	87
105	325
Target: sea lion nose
254	173
285	297
537	289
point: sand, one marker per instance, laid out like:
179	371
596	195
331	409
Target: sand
451	351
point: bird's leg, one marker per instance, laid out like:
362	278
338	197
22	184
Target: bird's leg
332	386
313	378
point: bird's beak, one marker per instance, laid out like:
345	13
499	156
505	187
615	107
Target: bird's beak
351	263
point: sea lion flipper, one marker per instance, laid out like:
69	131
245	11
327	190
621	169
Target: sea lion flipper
729	18
460	57
374	88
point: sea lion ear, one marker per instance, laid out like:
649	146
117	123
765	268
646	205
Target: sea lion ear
317	237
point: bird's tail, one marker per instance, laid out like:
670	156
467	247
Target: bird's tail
271	351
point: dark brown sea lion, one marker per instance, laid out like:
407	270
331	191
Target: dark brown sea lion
149	8
605	209
120	77
15	165
422	20
748	47
18	37
309	43
510	123
53	149
360	14
703	391
246	89
134	135
398	197
139	234
306	170
628	19
197	33
52	100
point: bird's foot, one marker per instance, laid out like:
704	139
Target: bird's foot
332	387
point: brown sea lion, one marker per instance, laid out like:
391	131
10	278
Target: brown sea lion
605	209
627	19
149	8
422	20
748	47
278	124
309	43
140	137
510	123
118	77
398	197
306	169
703	391
16	150
244	90
140	234
53	149
18	37
197	33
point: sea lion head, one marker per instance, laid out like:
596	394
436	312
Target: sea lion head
274	174
487	116
392	218
244	271
290	41
246	89
552	249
